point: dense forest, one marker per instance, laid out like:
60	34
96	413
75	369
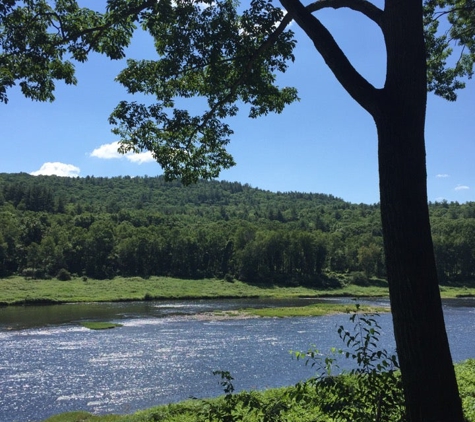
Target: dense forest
142	226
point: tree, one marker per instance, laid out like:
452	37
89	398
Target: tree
38	39
207	49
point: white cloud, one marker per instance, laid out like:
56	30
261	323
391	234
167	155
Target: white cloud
462	187
110	151
441	176
143	157
57	169
107	151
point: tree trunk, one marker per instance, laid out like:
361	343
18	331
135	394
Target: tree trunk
399	109
428	375
426	365
430	386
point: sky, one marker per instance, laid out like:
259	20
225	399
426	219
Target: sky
325	143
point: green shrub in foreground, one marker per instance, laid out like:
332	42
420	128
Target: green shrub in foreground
466	380
372	391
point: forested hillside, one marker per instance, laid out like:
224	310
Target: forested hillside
143	226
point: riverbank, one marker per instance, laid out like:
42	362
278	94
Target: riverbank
289	403
19	291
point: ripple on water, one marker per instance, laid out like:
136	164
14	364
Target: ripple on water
142	322
154	360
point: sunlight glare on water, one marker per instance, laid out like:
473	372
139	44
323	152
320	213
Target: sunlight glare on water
156	360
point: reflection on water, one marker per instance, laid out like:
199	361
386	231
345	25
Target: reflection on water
158	357
20	317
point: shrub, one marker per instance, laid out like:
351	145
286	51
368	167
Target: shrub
63	275
229	278
28	273
466	380
370	392
243	406
359	278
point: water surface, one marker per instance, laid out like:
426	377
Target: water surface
162	354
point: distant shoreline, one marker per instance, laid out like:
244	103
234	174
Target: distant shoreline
19	291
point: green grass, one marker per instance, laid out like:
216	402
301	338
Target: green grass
466	381
84	417
318	309
457	291
98	325
17	290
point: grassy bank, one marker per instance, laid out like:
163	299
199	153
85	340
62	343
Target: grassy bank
282	404
18	290
318	309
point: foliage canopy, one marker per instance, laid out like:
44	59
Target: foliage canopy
213	49
102	227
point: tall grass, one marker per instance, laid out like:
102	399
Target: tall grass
17	290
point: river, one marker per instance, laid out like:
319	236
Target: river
49	363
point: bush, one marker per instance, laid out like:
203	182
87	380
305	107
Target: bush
229	278
244	406
466	380
359	278
28	273
63	275
370	392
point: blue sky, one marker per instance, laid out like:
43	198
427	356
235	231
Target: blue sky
326	143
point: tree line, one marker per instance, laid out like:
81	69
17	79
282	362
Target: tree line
145	226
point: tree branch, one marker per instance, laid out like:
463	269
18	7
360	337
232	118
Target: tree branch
268	42
356	85
365	7
438	15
